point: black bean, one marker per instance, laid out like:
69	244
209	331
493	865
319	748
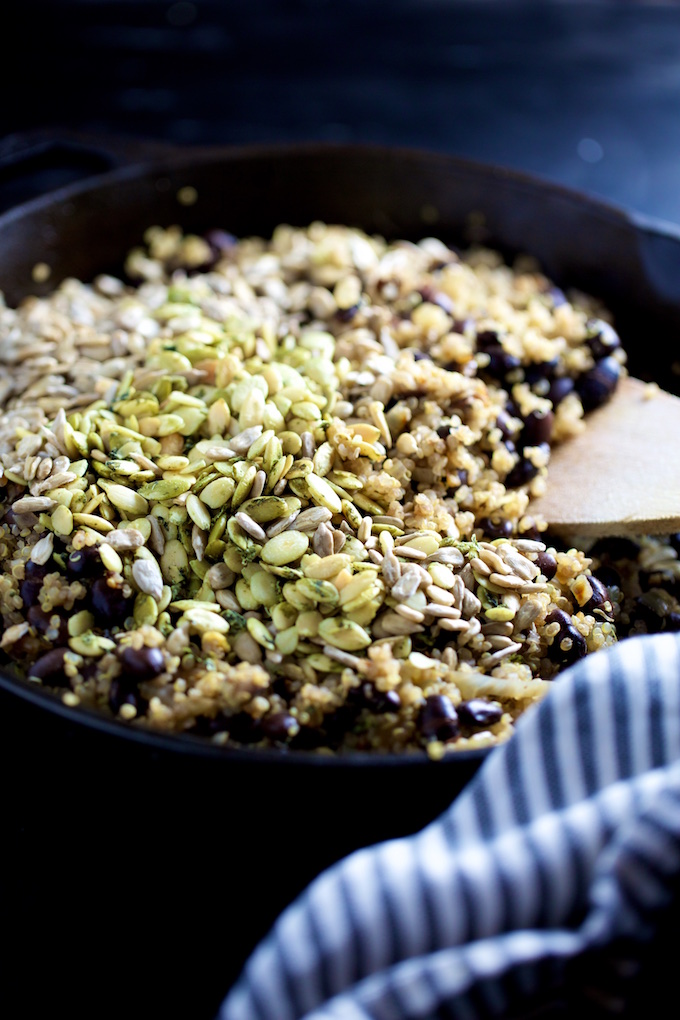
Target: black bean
559	389
421	356
279	726
84	563
644	612
557	296
540	371
596	386
244	729
438	718
308	739
478	712
655	579
122	692
50	668
547	564
437	297
487	338
608	576
674	541
142	663
220	241
379	702
501	363
599	598
602	339
495	527
461	325
506	424
522	473
672	622
347	314
42	622
615	549
29	588
538	428
443	431
576	647
110	606
531	533
204	726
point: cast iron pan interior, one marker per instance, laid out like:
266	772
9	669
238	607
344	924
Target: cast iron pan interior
88	228
163	857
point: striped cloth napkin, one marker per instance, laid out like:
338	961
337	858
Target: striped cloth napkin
567	840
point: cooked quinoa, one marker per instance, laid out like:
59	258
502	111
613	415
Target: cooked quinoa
276	492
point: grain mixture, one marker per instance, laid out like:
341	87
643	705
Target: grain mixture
277	492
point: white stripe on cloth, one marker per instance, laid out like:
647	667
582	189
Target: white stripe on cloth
567	839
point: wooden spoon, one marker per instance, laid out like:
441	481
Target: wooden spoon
621	476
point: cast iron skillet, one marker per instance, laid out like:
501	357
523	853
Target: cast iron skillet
161	860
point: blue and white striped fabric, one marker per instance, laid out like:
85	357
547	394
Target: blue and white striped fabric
566	840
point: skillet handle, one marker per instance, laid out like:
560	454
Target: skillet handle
35	162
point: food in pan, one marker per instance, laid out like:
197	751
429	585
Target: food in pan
276	492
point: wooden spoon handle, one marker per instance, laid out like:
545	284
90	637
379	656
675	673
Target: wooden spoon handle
621	476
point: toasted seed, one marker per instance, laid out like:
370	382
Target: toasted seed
125	539
148	577
42	550
409	613
92	521
449	555
204	621
250	526
218	493
309	520
446	612
146	610
344	634
322	493
80	623
242	442
11	635
352	515
319	591
33	504
125	499
409	553
198	512
265	508
328	566
353	661
174	562
502	653
448	623
282	525
285	548
62	521
322	541
495	562
406	585
91	645
439	595
110	557
358	585
286	641
181	605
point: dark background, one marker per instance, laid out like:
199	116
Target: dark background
587	94
584	93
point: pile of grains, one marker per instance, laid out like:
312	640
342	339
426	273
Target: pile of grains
277	492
